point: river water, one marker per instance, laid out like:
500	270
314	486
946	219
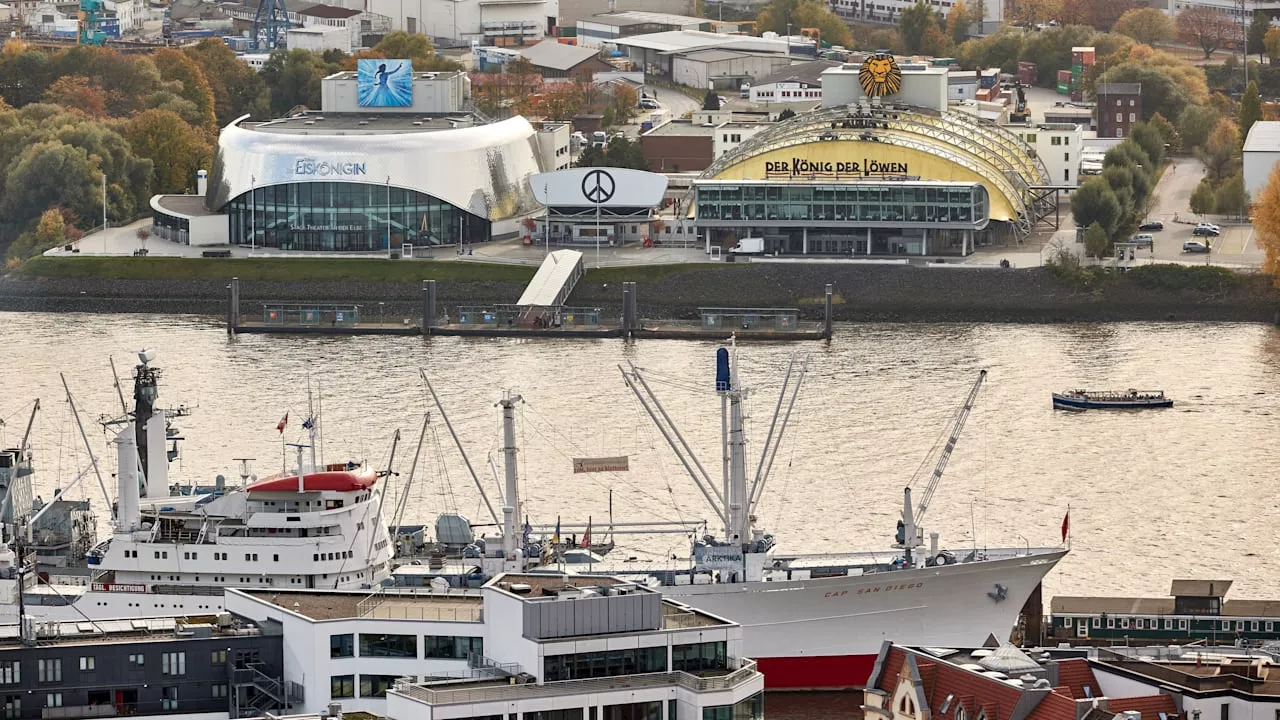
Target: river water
1153	496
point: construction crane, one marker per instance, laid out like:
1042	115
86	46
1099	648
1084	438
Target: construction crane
89	30
909	535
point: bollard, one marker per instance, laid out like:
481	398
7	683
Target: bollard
826	314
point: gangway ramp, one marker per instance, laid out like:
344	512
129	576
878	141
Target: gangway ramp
555	279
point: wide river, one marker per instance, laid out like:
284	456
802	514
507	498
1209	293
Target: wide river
1153	496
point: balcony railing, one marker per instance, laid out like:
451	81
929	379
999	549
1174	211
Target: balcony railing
489	693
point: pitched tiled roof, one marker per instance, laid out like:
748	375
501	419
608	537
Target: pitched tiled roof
1149	705
1075	673
1057	705
892	668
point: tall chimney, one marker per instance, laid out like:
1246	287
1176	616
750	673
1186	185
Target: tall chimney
202	182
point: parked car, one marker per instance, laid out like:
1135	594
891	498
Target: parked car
649	104
1151	225
1207	230
1143	240
1195	246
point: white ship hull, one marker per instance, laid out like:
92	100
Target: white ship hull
825	633
97	605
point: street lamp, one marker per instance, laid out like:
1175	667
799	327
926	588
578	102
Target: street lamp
253	215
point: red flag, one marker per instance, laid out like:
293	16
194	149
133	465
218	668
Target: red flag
586	538
283	422
1066	525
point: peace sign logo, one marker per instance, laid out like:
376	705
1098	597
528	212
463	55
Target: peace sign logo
598	186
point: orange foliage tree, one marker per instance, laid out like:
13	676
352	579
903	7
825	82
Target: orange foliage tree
1266	220
77	94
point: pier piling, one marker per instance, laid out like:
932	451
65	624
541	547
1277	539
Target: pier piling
233	306
428	306
826	314
629	323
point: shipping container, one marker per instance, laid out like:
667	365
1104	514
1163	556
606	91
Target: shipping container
1027	73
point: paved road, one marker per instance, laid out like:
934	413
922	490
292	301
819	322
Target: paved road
1236	246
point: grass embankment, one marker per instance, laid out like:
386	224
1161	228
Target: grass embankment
324	270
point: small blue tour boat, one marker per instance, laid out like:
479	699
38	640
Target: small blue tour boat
1110	400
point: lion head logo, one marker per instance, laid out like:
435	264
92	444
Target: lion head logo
880	75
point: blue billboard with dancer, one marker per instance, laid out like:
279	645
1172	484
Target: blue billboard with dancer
384	83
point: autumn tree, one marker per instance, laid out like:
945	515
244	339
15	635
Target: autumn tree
1220	153
176	66
50	232
293	77
1266	221
561	101
176	149
958	21
1272	44
1195	125
1256	42
1146	25
1095	241
913	24
1100	14
624	103
1035	12
237	88
76	94
1250	109
816	14
1095	202
415	47
1168	133
1203	27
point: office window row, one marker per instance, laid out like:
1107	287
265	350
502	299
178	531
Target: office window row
606	663
405	646
843	204
371	686
700	656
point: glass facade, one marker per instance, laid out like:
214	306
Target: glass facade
350	217
750	709
610	663
450	647
402	646
171	227
848	203
700	657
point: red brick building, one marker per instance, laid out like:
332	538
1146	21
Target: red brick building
679	146
1119	108
1003	683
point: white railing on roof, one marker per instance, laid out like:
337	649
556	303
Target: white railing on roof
490	693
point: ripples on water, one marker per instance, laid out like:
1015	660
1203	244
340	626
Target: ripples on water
1154	496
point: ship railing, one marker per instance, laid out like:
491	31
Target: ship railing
490	693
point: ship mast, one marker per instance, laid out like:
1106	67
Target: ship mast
511	495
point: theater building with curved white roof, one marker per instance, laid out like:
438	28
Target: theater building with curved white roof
361	182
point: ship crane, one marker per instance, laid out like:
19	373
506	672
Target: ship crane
909	533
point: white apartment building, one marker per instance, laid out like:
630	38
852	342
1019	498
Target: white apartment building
486	22
1059	146
528	647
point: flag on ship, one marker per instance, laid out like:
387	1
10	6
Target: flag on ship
283	422
1066	525
528	529
556	538
586	539
308	423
